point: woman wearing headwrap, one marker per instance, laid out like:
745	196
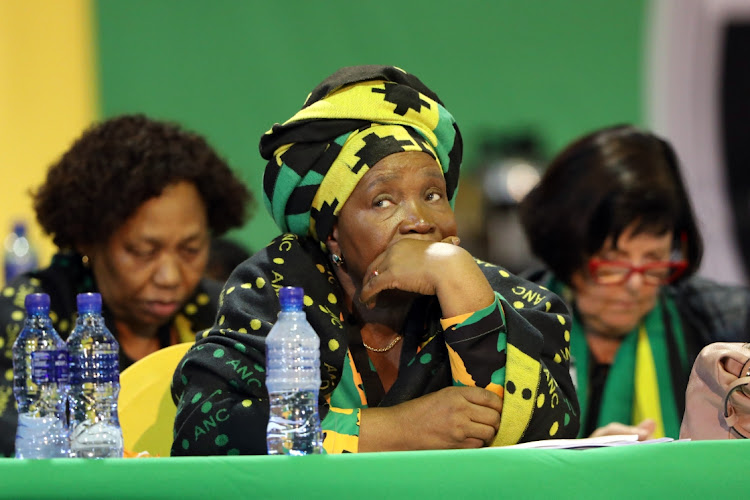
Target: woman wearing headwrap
422	346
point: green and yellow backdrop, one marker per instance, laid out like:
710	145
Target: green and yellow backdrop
230	68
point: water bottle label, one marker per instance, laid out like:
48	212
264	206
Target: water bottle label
43	367
94	367
61	367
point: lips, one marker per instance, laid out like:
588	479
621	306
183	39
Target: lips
163	309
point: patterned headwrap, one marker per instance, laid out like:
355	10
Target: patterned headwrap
353	119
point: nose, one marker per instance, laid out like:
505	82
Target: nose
167	273
416	221
634	281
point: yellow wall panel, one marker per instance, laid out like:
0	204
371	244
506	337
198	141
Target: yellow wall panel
48	96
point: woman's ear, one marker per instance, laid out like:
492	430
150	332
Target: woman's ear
85	249
332	242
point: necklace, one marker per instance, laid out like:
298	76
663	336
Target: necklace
386	348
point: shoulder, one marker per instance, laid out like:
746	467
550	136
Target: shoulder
62	280
285	258
288	260
719	310
517	290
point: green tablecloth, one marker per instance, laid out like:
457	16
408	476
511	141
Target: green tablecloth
697	469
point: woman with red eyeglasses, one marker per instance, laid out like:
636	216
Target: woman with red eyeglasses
612	222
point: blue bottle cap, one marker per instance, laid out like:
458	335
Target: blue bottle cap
19	228
290	298
37	302
89	303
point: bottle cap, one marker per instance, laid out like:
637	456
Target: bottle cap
89	303
291	298
19	227
37	302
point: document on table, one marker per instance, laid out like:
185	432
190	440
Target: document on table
587	443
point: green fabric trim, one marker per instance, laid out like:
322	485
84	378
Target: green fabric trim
482	313
346	394
341	423
670	418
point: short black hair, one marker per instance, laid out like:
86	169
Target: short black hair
598	186
120	163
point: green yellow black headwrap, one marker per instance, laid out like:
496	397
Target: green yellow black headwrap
353	119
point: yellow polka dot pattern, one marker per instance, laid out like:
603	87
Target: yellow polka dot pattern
561	319
246	285
333	344
202	299
518	304
278	260
191	309
307	301
331	298
230	290
540	400
255	324
260	282
8	292
554	428
504	274
246	403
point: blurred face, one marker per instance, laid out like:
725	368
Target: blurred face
613	310
153	262
401	196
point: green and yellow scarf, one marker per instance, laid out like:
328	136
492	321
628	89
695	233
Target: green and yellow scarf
639	384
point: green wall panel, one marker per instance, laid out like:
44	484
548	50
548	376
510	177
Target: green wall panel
230	69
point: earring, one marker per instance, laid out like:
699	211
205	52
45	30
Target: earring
337	260
85	260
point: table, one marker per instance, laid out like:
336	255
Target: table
684	469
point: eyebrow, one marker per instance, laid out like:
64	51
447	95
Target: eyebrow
156	241
382	178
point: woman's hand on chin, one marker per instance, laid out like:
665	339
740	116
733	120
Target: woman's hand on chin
453	417
429	268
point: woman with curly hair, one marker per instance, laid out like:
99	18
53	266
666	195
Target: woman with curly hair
132	207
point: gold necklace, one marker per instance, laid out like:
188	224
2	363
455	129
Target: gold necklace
386	348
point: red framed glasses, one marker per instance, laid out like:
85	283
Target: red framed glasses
611	272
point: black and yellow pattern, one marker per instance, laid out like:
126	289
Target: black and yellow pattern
355	118
510	348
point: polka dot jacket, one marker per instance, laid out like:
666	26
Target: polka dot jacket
518	347
63	280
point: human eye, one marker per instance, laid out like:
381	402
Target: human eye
141	251
382	201
192	250
434	195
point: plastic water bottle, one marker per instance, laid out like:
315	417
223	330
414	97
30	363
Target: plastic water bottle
95	430
293	380
19	254
40	383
